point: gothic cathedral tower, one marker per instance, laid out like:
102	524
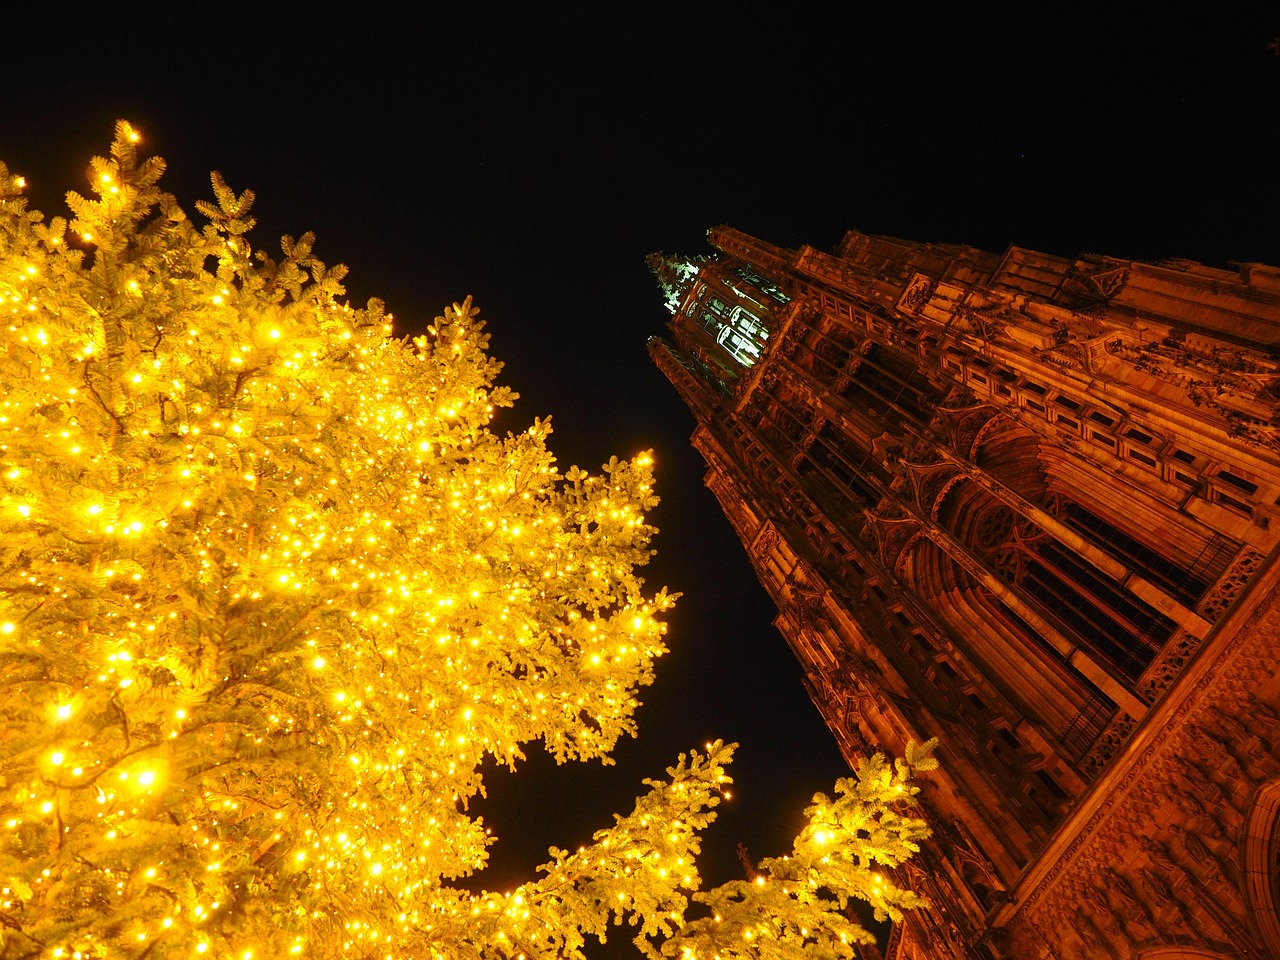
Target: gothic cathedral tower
1027	505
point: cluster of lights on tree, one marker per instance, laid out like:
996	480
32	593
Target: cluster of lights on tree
270	592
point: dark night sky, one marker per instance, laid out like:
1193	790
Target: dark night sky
533	159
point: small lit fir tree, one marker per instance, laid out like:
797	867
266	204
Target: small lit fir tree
271	590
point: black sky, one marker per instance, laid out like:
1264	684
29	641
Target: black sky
533	158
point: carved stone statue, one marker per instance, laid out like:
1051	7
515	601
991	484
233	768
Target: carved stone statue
1206	818
1231	752
1238	733
1162	896
1263	712
1130	905
1200	853
1159	856
1205	785
1089	936
1106	917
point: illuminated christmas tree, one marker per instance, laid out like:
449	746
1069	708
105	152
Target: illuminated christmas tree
271	590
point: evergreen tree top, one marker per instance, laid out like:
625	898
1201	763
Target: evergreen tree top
270	592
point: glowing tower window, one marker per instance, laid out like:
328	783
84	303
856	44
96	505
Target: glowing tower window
743	335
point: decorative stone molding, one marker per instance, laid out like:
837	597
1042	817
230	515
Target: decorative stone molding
1229	585
1088	283
766	542
1168	663
1113	737
1238	385
807	590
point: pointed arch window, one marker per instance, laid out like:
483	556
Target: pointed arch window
740	331
1105	617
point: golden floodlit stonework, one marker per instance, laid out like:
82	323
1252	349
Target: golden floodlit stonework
1026	504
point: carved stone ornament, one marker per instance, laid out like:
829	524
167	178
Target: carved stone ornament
987	321
893	534
919	291
964	425
972	864
1238	385
1167	665
1229	585
1116	735
929	483
842	703
1091	283
766	542
807	592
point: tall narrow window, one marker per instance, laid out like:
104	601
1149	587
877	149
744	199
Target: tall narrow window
743	334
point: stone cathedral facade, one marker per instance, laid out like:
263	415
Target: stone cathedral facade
1029	505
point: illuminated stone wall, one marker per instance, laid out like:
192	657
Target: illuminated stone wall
1028	505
